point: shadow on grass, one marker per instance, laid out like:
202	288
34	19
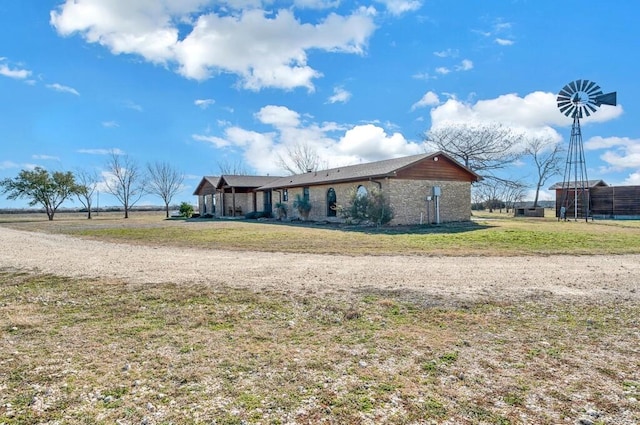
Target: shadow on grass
418	229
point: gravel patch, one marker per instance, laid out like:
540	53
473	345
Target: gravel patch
432	279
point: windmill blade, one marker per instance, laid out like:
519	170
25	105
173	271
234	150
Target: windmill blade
607	99
565	92
593	108
586	111
563	99
595	89
564	108
571	111
573	86
589	86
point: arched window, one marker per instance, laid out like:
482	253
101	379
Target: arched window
331	203
362	192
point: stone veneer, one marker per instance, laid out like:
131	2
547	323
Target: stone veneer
408	198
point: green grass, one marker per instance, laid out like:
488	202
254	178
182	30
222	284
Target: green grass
488	234
96	351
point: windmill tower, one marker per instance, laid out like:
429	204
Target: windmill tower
576	99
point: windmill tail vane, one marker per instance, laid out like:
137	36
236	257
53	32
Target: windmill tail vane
575	99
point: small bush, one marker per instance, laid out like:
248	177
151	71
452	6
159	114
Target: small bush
186	210
254	215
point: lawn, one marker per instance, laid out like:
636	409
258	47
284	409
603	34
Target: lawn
85	351
487	234
96	351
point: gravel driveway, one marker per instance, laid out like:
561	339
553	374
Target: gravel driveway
432	279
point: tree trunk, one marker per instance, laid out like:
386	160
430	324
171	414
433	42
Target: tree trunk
167	210
535	201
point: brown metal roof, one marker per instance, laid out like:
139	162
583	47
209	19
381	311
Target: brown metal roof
244	181
571	185
370	170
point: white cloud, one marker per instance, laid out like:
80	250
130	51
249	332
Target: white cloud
339	95
18	74
465	65
278	116
621	152
110	124
449	53
633	179
335	144
63	89
429	99
504	42
398	7
204	103
316	4
45	157
264	49
443	70
372	143
101	151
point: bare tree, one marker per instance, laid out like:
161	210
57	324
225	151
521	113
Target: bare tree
164	181
235	169
547	157
87	184
301	157
513	191
127	182
481	148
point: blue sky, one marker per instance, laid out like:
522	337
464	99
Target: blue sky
199	83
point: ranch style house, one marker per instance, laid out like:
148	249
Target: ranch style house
424	188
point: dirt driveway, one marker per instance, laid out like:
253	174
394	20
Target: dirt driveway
432	279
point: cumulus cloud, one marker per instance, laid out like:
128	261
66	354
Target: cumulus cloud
339	95
204	103
621	152
264	49
18	74
465	65
429	99
335	144
63	89
398	7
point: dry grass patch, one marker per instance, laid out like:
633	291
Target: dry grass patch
107	352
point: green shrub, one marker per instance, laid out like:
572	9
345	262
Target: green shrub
186	209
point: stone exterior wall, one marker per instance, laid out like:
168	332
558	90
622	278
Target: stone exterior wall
205	204
407	198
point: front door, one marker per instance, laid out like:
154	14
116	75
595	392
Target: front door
267	202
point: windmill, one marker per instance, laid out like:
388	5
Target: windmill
575	100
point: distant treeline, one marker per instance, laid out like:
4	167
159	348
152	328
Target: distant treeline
84	210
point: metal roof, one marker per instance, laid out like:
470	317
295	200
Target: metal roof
571	185
378	169
244	181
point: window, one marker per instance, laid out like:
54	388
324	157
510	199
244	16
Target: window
305	193
331	203
285	195
362	192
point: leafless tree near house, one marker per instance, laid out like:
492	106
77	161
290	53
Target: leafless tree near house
234	169
127	183
548	159
482	148
87	185
164	181
300	158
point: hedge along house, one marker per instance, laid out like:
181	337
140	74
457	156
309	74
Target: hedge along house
409	183
232	195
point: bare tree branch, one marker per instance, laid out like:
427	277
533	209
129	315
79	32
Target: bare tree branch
164	181
87	184
482	148
301	158
233	169
128	182
547	157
